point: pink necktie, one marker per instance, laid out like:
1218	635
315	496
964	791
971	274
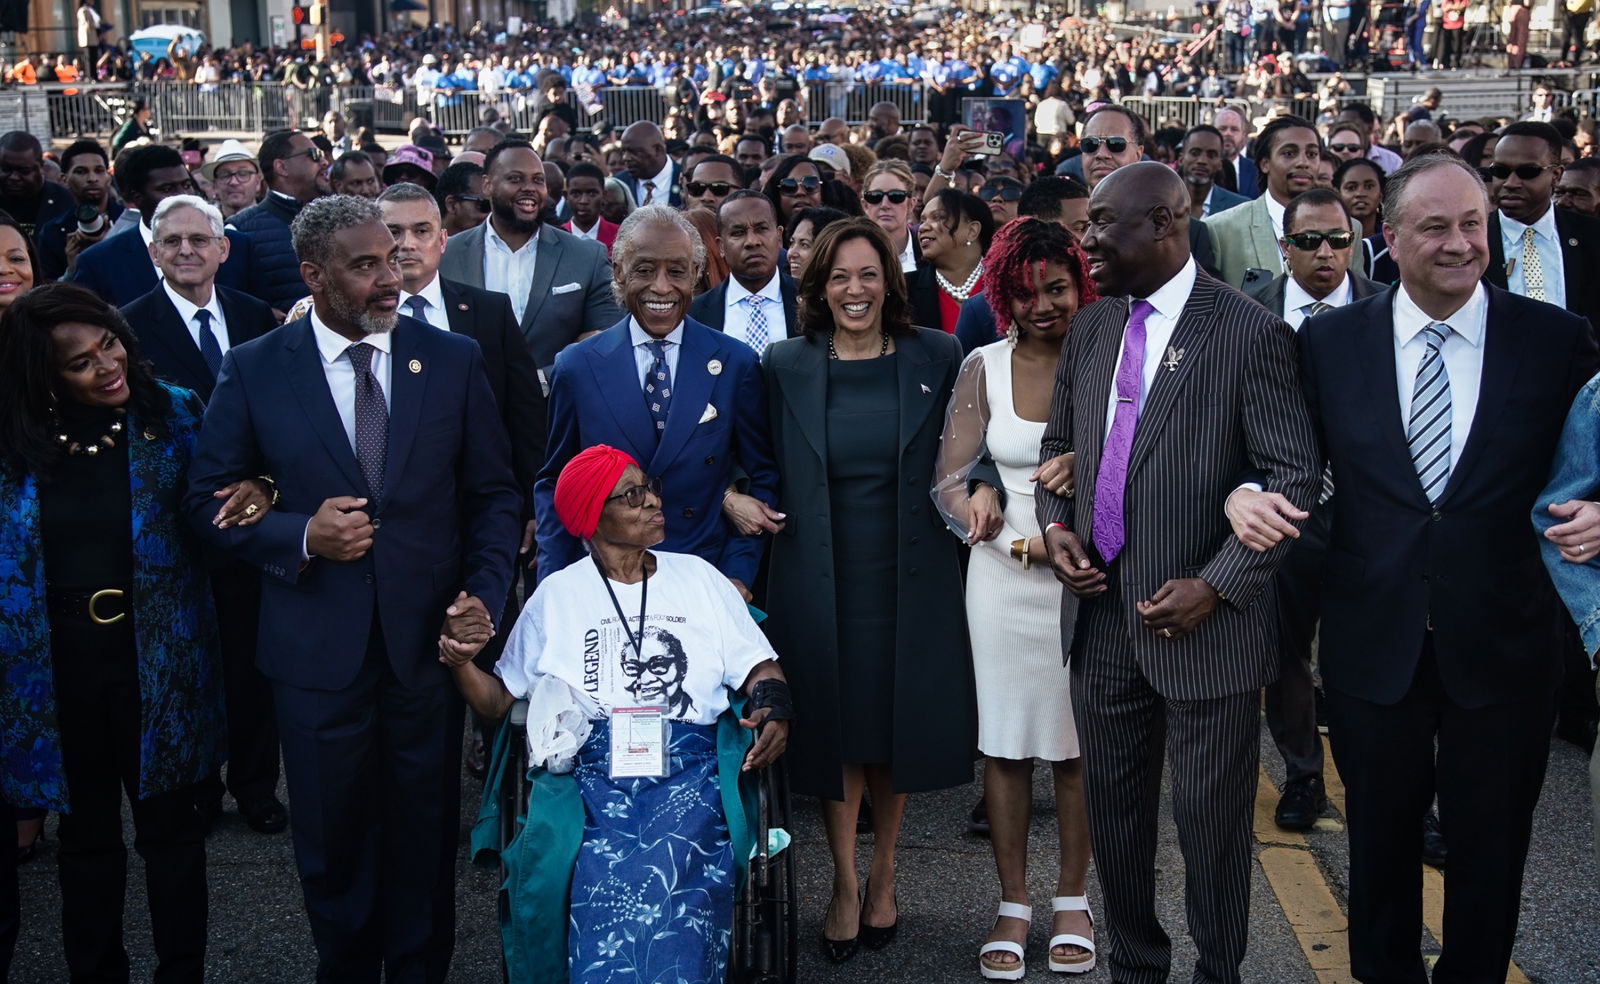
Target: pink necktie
1112	481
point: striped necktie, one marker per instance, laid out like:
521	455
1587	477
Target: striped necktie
1532	269
1326	492
1428	433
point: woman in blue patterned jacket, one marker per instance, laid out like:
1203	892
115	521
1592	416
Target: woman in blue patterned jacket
109	674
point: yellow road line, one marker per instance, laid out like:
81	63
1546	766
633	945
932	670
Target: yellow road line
1267	830
1311	911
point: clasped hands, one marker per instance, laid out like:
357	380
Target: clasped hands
466	630
1175	610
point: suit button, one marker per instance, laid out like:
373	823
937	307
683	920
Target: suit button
377	523
912	571
915	539
1437	515
688	513
369	578
711	459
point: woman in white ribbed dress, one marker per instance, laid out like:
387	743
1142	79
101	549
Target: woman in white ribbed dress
1019	618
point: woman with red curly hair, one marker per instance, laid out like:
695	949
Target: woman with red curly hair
1038	279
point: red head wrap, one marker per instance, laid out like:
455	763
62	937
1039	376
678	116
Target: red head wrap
584	485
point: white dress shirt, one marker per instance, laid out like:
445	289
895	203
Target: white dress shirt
1547	243
509	271
1275	213
149	236
661	193
341	373
736	313
435	313
1168	302
187	310
908	256
1297	303
1463	360
593	232
645	358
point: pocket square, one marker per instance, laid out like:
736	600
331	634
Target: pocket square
565	288
709	415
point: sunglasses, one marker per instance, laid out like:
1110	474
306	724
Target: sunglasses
315	153
1310	242
896	197
791	187
634	495
478	201
1006	193
721	189
1344	148
1500	172
1092	145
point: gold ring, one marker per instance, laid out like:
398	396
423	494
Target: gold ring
251	509
1166	633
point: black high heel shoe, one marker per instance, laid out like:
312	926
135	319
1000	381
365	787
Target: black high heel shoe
838	951
878	937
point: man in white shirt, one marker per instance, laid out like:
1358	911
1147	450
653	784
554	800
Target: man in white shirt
756	304
650	174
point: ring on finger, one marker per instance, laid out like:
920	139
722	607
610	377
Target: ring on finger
252	509
1166	633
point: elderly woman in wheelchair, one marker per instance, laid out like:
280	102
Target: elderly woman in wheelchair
635	662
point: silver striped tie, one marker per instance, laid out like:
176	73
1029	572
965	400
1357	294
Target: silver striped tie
1428	433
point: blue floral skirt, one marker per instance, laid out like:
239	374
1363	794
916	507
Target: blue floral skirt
653	887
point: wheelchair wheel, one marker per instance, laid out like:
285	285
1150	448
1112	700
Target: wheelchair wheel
766	923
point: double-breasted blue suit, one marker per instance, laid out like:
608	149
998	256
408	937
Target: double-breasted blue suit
369	720
717	423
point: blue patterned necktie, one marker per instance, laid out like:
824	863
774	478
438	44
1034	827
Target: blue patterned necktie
757	334
1428	433
372	420
419	308
209	349
658	387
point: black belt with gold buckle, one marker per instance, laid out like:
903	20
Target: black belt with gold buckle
108	606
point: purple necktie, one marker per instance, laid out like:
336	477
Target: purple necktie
1112	482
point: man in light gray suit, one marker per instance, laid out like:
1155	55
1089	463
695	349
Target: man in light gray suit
1169	389
559	284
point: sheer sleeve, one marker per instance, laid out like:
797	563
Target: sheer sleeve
962	444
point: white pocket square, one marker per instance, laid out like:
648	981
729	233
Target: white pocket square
709	415
565	288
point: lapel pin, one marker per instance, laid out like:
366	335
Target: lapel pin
925	388
1573	241
714	367
1174	356
461	307
415	365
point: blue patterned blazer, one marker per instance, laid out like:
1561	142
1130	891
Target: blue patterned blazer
175	628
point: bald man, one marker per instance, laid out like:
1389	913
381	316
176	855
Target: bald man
649	173
1171	388
833	130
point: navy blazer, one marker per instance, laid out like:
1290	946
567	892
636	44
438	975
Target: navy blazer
718	421
711	308
1468	564
168	344
449	515
120	269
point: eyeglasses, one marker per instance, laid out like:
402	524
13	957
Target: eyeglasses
1345	148
1092	145
896	197
234	177
721	189
634	495
1006	193
1310	242
790	187
315	153
480	202
1500	172
172	244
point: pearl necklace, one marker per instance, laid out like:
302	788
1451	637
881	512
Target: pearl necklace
965	290
107	441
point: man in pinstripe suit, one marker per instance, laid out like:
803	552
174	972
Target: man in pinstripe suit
1168	390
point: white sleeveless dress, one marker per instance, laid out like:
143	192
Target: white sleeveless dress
1019	627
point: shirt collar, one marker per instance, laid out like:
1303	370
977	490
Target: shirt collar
331	344
149	236
769	291
430	293
1296	297
1466	321
492	237
663	179
637	336
187	308
1544	227
908	256
1170	297
1274	212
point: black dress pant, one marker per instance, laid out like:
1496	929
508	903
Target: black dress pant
1572	43
1291	699
97	706
1488	770
252	729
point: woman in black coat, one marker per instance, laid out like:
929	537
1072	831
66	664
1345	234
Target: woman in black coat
865	587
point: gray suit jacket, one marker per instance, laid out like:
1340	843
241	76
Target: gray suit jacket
1230	404
570	294
1270	294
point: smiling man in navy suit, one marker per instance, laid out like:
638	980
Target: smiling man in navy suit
697	407
398	519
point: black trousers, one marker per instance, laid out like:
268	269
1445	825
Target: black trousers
97	706
252	729
1488	769
1291	699
374	774
1572	44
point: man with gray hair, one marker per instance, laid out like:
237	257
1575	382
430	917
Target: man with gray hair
396	522
657	385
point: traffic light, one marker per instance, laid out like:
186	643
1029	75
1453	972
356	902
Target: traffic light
298	15
318	13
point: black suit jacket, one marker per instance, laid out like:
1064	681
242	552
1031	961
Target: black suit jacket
636	186
710	308
487	317
120	270
1580	261
1469	564
1270	294
170	347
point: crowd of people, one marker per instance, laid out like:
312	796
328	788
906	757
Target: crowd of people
312	447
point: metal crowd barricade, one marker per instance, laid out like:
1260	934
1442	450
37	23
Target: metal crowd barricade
95	110
851	101
1184	111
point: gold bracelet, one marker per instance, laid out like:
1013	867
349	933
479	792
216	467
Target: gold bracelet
1025	559
1019	549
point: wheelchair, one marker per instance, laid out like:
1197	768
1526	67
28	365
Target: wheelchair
765	944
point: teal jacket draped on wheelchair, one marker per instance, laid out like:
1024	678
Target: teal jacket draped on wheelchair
175	630
540	856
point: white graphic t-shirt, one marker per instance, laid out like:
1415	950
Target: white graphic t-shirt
698	638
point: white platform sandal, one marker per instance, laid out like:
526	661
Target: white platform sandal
1005	971
1077	963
